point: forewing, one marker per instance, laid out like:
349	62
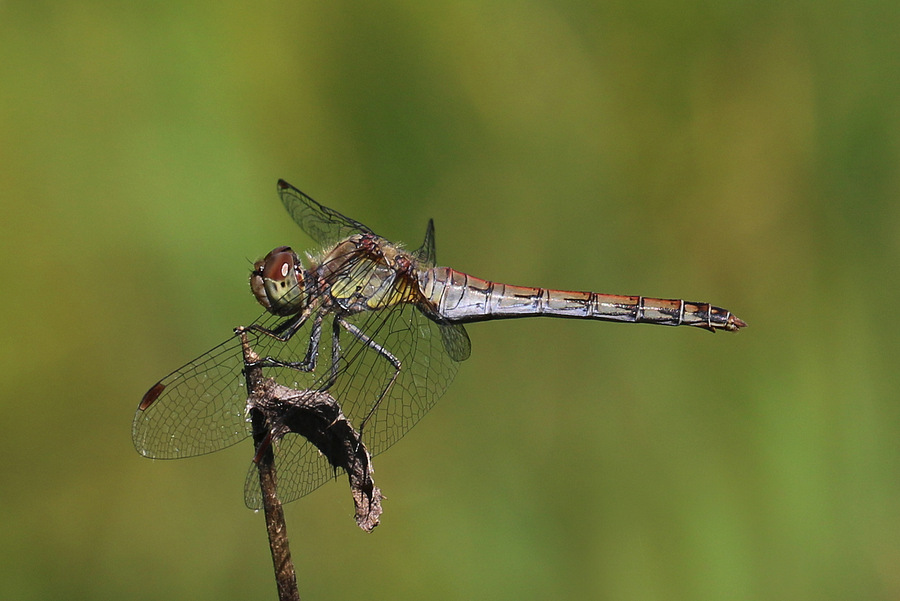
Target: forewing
198	408
201	407
326	226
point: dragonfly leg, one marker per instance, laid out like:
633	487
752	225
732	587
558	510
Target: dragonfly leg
285	333
368	341
286	330
335	355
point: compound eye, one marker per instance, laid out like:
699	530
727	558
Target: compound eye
279	264
276	281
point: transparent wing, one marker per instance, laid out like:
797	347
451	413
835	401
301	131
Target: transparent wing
454	336
456	341
200	407
299	469
426	254
326	226
197	409
426	372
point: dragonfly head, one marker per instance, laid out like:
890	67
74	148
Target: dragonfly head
277	282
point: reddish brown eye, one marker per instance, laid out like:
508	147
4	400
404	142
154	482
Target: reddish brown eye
279	264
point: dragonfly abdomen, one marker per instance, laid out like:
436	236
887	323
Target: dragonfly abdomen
463	298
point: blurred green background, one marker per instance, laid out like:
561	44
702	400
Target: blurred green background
743	153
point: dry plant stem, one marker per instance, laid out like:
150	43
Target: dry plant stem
285	577
276	528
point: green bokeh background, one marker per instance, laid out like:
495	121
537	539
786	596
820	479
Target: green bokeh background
744	153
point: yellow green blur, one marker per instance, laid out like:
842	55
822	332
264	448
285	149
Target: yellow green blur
741	153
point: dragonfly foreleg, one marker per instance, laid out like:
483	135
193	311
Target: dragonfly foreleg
286	332
368	341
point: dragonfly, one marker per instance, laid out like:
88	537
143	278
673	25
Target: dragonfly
379	328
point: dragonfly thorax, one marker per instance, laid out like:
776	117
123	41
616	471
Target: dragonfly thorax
277	282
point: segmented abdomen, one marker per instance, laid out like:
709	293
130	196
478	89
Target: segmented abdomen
459	297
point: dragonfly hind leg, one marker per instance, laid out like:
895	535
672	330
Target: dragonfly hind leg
369	342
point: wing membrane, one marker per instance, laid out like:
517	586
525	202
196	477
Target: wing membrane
201	407
426	372
198	408
426	254
326	226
